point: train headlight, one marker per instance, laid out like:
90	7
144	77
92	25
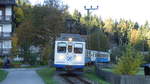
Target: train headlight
70	39
78	58
61	57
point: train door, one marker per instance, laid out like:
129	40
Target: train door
69	57
93	56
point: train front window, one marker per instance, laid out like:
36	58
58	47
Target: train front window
61	47
69	48
78	48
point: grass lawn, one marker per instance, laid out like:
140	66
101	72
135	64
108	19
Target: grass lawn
47	75
92	76
31	66
3	75
141	72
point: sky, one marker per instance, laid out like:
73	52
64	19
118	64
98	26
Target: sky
135	10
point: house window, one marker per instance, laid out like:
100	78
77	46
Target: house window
1	30
5	30
0	45
8	18
8	13
7	44
1	13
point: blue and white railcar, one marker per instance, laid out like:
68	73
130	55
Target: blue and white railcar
90	56
97	57
69	53
87	57
103	57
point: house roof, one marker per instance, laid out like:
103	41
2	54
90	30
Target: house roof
7	2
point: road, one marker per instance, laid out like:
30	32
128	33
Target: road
22	76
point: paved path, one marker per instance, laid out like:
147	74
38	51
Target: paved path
22	76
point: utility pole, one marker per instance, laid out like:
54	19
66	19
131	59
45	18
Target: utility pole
88	16
90	8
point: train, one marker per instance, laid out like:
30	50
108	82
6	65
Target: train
93	56
69	55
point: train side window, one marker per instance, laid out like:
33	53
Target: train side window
78	48
61	47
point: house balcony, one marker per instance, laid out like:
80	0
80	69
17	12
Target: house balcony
5	18
5	51
5	35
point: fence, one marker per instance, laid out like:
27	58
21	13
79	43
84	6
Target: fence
122	79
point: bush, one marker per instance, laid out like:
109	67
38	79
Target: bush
147	58
1	63
116	54
33	58
130	62
98	41
16	64
47	50
141	46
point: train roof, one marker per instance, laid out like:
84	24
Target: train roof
75	37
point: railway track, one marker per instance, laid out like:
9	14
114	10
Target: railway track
83	80
75	79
